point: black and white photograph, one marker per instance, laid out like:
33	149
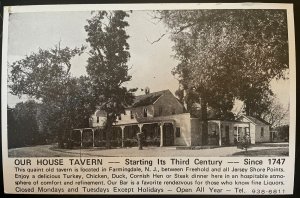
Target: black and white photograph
147	83
149	99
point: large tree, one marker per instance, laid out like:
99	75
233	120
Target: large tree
107	65
45	76
276	115
42	74
228	54
22	126
72	111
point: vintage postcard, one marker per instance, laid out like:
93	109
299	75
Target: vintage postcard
149	99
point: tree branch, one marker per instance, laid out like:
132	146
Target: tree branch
176	32
155	18
155	41
184	27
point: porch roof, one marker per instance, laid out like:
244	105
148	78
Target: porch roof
148	121
83	129
230	121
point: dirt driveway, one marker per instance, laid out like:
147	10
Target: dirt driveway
270	149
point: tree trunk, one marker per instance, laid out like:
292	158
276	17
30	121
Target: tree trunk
60	139
108	131
203	104
247	108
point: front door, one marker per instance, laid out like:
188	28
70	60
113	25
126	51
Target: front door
168	135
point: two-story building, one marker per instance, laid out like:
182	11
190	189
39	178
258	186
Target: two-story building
163	121
159	115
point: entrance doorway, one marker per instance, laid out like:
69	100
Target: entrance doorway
168	134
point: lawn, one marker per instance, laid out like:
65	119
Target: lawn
264	152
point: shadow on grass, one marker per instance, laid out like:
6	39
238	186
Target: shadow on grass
264	152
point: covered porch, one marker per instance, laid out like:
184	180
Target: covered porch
155	133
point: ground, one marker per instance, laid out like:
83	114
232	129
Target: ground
266	149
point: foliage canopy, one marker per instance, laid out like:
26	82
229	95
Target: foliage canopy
107	65
228	54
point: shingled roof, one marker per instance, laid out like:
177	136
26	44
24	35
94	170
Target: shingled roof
147	99
256	120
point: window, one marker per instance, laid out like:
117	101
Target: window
247	129
240	129
145	112
173	111
119	117
177	131
131	115
97	119
262	132
213	130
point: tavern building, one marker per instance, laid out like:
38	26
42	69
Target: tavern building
164	122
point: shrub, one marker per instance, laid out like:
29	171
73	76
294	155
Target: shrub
100	143
244	142
151	142
116	143
130	142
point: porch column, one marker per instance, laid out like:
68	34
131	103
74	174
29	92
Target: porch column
122	135
140	137
93	137
161	134
140	127
220	134
81	131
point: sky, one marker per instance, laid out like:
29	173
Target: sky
151	64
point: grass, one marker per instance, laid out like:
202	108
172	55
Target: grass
264	152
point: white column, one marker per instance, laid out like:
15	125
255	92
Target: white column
220	134
122	135
140	137
161	134
140	127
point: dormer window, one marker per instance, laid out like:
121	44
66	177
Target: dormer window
145	112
